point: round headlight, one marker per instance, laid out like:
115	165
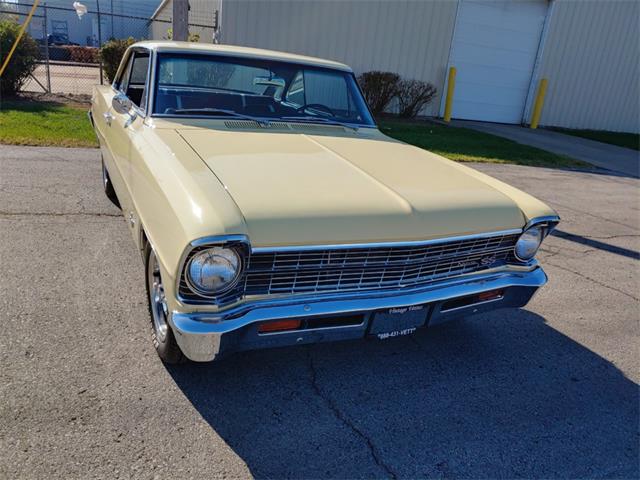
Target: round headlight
213	270
528	243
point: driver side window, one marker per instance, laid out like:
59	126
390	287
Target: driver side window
295	94
326	88
310	87
121	83
133	81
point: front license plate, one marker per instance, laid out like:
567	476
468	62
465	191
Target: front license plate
396	322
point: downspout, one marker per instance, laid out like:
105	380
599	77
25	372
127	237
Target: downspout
533	82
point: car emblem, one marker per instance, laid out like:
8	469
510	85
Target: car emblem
484	261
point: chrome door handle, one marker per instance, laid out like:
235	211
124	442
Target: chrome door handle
108	118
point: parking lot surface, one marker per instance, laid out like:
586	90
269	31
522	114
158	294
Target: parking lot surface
546	391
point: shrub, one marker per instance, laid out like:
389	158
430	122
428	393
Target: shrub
379	88
111	54
413	95
23	61
82	54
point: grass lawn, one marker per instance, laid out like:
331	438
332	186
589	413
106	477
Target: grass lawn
627	140
26	122
465	145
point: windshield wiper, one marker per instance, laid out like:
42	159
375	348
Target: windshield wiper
231	113
325	121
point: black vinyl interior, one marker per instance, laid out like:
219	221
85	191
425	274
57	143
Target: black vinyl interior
170	99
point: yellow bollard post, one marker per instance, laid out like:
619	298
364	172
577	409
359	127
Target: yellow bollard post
448	104
19	37
537	107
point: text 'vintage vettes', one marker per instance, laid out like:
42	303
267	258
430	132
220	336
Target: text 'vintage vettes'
271	211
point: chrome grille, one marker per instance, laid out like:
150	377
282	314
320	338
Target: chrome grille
340	269
335	270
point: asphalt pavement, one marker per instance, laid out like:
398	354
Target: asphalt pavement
546	391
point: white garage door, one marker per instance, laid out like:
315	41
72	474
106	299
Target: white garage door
494	49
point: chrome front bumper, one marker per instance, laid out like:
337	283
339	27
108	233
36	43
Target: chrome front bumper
206	336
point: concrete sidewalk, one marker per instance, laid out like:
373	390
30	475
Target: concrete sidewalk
617	159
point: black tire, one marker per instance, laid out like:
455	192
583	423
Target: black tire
108	187
162	336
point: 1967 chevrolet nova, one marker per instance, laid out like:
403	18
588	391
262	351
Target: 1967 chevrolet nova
270	210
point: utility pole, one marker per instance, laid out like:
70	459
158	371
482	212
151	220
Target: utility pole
46	48
99	38
180	20
113	34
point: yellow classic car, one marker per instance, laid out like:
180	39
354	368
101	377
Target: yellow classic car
269	209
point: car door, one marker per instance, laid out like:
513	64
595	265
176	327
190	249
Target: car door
124	127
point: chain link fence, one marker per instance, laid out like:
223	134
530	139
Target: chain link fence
69	62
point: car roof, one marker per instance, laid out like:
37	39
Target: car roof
237	51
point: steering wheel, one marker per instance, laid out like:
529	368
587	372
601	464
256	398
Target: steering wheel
316	106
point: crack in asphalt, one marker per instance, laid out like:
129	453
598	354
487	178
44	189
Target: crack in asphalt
345	421
632	227
58	214
586	277
611	237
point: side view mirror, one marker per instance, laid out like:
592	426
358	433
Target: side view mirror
276	82
121	104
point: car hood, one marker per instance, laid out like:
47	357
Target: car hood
302	188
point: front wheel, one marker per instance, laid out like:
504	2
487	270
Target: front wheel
163	339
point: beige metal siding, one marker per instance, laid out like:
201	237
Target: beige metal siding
591	57
408	37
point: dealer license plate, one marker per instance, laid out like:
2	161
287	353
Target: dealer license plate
396	322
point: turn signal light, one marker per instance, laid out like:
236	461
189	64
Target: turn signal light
490	295
279	326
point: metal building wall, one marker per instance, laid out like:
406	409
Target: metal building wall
591	57
408	37
201	18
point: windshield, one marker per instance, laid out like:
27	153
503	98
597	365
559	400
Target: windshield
258	89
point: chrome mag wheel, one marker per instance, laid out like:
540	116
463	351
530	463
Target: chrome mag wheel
105	177
157	299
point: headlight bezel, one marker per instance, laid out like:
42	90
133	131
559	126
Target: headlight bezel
544	225
526	236
219	251
187	294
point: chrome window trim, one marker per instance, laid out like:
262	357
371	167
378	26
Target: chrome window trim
152	82
299	62
415	243
142	113
354	126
